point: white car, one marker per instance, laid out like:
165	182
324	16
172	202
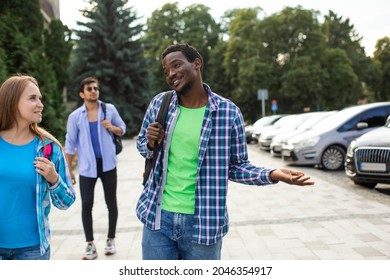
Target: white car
286	124
250	130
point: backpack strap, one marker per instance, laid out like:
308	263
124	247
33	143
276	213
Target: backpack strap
161	118
47	151
162	113
104	109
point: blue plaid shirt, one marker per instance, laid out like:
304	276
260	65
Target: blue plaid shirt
222	156
61	194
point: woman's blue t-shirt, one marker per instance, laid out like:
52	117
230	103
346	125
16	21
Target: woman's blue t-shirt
19	224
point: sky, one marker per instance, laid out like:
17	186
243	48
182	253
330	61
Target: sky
371	19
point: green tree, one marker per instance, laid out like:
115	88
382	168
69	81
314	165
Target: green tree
22	49
3	68
245	67
3	56
12	41
382	55
217	77
302	86
268	53
168	25
339	80
201	31
58	47
293	39
291	33
109	48
163	29
372	81
341	34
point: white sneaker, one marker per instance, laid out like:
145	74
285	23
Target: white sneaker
90	252
110	247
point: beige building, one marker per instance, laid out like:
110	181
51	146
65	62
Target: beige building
50	9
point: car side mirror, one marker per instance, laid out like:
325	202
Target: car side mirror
361	125
387	121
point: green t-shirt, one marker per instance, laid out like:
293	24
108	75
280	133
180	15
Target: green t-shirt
179	192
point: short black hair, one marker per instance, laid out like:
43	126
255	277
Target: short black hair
188	51
87	81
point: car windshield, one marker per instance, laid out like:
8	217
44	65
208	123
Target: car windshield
310	122
292	121
336	119
284	121
264	121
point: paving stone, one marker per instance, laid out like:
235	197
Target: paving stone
278	222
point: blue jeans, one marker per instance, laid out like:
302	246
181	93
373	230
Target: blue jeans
173	241
26	253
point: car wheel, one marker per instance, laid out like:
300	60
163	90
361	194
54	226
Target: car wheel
333	158
365	184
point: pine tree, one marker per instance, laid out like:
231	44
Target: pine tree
110	49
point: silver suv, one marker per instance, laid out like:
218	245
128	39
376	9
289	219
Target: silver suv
326	143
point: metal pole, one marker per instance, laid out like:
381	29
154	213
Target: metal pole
263	106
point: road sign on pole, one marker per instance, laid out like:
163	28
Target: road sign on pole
262	94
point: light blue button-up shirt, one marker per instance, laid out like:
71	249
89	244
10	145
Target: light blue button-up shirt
78	138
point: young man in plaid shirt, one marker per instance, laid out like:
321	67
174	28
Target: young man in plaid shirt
183	205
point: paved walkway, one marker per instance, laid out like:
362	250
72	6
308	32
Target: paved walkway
279	222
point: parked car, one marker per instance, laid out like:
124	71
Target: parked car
326	143
260	130
288	123
281	139
367	161
265	121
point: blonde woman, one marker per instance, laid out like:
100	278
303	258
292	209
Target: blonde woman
29	182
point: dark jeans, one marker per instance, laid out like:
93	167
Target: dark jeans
87	191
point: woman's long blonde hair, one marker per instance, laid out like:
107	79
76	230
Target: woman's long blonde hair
10	92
